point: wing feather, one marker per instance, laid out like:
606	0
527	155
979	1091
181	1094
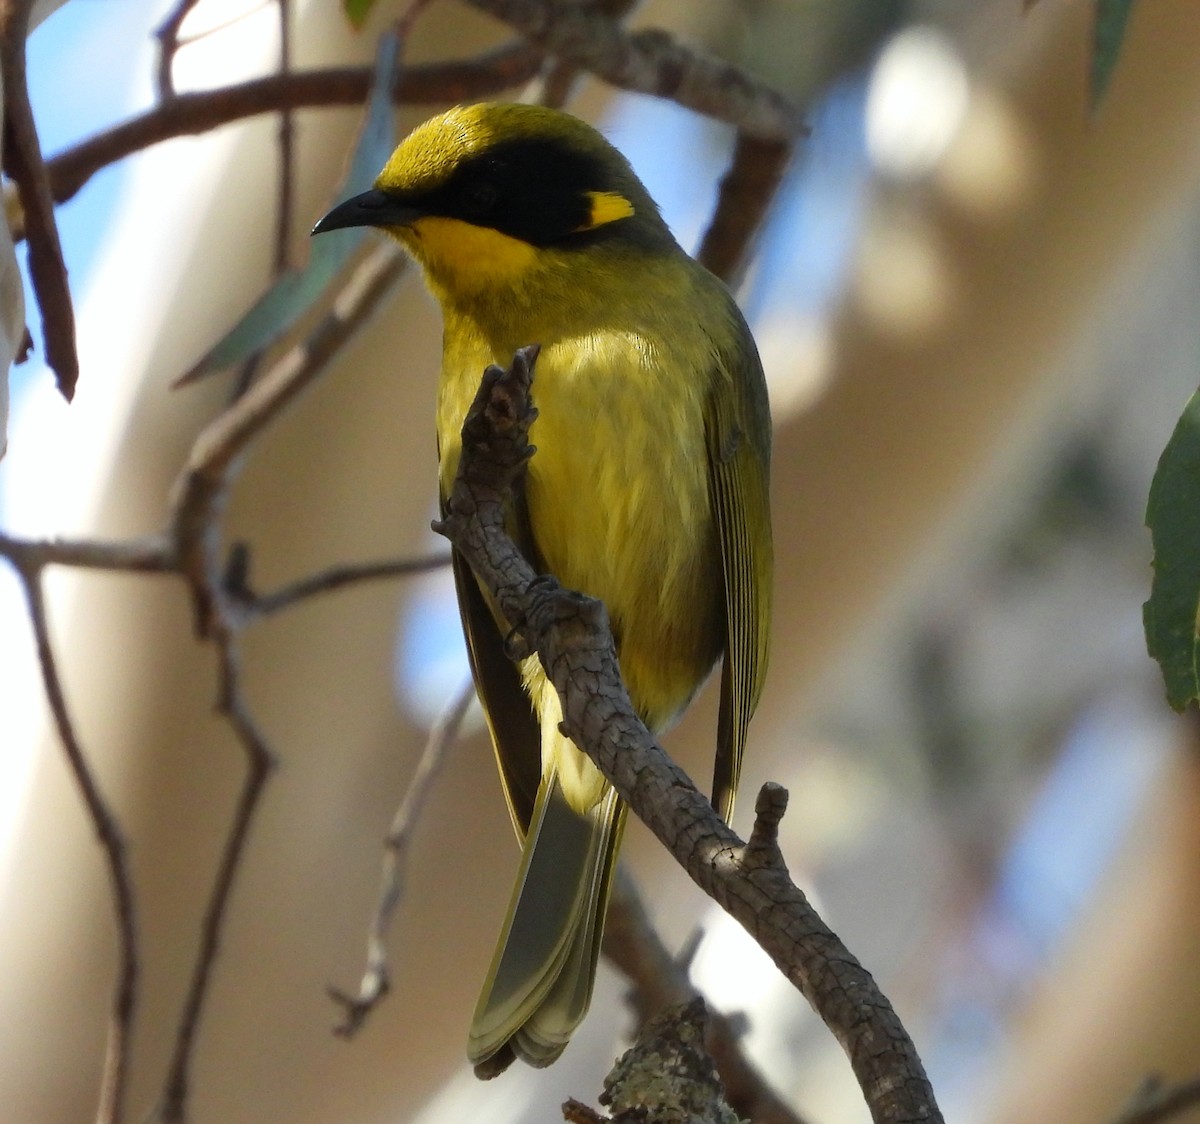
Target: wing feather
738	429
516	737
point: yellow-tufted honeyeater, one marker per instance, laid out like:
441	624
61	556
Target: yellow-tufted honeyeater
648	490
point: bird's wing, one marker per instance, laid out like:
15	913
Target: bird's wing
738	428
516	736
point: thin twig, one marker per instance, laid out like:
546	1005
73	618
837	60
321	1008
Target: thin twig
167	34
649	62
23	163
199	498
374	984
335	577
224	24
150	554
284	200
190	547
571	636
114	1079
287	153
259	761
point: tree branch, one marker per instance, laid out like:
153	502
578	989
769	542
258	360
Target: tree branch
254	605
259	762
744	199
193	113
749	879
190	548
115	1077
649	62
24	164
374	984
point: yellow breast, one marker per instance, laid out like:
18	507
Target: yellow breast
617	495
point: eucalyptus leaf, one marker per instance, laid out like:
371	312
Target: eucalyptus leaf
1173	516
295	291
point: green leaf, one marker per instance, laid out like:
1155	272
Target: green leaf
295	291
357	12
1107	37
1173	516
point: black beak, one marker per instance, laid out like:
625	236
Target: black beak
371	208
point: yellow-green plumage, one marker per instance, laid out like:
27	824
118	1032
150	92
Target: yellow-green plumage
648	490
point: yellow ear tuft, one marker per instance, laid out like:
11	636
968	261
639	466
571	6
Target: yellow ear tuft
607	206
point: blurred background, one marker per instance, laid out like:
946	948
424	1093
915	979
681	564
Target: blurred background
976	300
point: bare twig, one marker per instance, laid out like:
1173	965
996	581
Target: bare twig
287	154
199	499
649	62
114	1079
660	980
335	577
150	554
749	879
259	761
24	164
200	489
374	984
190	548
167	34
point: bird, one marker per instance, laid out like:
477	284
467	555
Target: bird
648	490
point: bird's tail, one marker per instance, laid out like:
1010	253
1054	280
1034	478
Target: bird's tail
540	982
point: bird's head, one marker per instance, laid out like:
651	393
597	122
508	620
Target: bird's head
484	194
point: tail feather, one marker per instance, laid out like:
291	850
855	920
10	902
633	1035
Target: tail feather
540	982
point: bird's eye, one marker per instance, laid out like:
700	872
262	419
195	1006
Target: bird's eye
479	197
